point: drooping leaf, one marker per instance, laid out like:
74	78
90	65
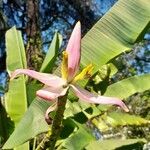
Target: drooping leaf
15	98
52	54
118	144
115	32
129	86
115	119
32	124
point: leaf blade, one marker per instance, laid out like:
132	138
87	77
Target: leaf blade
52	54
129	86
113	144
30	126
16	96
115	32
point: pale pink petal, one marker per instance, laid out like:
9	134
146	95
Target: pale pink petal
97	99
53	107
51	93
73	50
47	79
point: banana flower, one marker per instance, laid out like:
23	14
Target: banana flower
56	87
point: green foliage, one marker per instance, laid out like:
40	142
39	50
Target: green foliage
52	54
39	107
116	32
32	124
116	144
115	119
15	50
122	89
6	125
15	59
129	86
18	89
105	72
32	87
15	98
76	140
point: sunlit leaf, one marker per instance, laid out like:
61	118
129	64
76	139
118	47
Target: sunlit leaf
118	144
52	54
32	124
129	86
104	73
15	98
115	119
15	50
115	32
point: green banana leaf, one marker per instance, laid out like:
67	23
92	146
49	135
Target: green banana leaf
15	98
122	89
80	137
129	86
16	57
115	119
116	32
6	125
32	87
47	66
105	72
32	124
52	54
118	144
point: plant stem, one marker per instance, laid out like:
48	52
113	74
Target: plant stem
49	140
34	144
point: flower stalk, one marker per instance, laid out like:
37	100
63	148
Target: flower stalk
49	140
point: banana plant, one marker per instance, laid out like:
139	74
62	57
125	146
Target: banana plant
116	32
